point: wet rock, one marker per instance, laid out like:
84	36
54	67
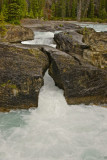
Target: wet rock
41	25
63	26
16	34
81	83
85	43
21	76
97	53
70	42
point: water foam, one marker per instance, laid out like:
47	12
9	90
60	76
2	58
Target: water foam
42	38
54	131
96	27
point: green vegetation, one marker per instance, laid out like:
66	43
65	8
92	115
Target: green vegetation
60	25
91	10
73	9
9	85
2	25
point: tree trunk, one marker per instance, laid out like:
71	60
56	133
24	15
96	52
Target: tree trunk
86	8
79	10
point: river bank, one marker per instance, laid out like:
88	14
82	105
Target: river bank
50	25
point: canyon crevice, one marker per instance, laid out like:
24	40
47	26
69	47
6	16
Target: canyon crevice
73	66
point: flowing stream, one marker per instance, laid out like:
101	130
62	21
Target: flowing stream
55	130
96	27
42	38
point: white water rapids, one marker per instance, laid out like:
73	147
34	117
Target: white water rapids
55	130
42	38
96	27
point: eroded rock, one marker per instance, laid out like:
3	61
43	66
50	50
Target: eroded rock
41	25
81	83
21	76
16	34
85	43
70	42
97	53
82	79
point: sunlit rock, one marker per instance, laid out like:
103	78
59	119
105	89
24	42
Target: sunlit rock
17	33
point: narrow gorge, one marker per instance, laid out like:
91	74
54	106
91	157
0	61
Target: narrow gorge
78	65
68	86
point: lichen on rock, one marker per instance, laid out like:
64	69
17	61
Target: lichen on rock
91	46
81	82
13	33
21	76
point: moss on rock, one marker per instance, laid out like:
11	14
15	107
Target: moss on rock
22	70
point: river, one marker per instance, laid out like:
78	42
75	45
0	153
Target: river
55	130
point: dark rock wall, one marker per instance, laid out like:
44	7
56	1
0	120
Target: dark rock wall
82	83
21	76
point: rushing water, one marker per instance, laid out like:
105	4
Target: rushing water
42	38
55	130
96	27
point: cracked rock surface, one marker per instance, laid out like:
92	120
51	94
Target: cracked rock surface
82	82
21	76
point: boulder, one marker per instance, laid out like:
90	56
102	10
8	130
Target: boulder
41	25
70	42
12	34
81	83
97	52
21	76
63	26
85	42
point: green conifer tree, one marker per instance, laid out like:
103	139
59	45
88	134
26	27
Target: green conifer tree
2	25
53	9
92	9
24	8
63	8
73	9
14	11
41	5
102	4
5	12
2	18
106	5
35	8
31	14
58	8
41	14
102	12
68	8
1	3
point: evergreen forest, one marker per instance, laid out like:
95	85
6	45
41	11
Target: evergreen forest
13	11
